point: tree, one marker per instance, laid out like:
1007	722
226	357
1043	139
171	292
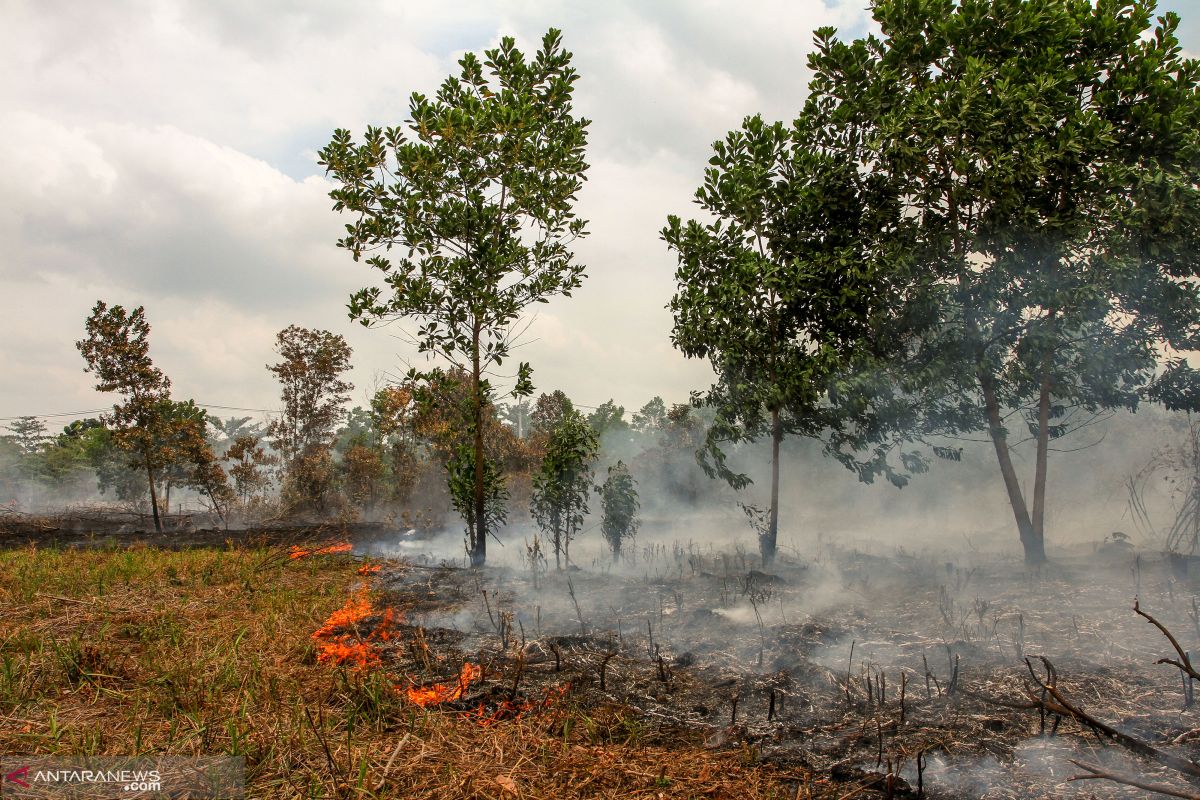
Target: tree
28	433
249	462
562	483
549	411
117	351
313	393
608	417
191	462
777	291
619	499
1046	151
477	191
651	417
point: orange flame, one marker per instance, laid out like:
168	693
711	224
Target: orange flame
369	569
507	709
354	648
438	693
302	552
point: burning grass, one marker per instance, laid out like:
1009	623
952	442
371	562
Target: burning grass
239	650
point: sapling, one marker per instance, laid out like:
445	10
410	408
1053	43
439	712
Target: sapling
619	499
560	488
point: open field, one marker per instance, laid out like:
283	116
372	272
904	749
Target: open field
682	672
210	651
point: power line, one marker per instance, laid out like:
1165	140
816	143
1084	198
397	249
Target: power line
63	414
79	414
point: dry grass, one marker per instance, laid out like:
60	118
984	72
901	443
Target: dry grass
209	651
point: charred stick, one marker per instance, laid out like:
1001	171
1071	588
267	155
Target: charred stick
771	707
903	685
488	606
1096	773
554	648
604	666
733	713
578	612
849	670
920	773
520	673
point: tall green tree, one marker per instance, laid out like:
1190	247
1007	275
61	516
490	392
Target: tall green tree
313	392
476	191
117	352
28	433
1049	153
778	291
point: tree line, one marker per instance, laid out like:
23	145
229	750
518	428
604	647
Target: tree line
982	221
395	458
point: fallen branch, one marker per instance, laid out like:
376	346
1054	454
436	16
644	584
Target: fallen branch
1052	700
1096	773
1184	664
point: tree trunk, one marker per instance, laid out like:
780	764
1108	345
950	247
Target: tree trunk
1043	441
1043	446
557	543
767	543
479	535
153	498
1035	552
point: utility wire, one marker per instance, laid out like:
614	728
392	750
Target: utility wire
80	414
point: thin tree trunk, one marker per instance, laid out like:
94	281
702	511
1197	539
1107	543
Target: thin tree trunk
767	544
1034	551
153	497
1043	446
1043	442
479	545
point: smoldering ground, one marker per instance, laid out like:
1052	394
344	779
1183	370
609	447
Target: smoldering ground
862	661
890	638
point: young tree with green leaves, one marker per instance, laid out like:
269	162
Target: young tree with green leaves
777	292
619	500
249	463
314	394
28	433
562	483
1047	153
117	352
476	191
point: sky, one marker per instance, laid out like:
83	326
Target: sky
163	153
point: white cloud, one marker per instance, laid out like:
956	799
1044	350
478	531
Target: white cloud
162	153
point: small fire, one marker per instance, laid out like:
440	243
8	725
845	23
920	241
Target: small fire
369	569
354	647
439	693
508	709
303	552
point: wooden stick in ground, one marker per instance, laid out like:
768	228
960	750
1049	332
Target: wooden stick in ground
1096	773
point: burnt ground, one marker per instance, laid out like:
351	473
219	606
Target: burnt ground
887	671
876	669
